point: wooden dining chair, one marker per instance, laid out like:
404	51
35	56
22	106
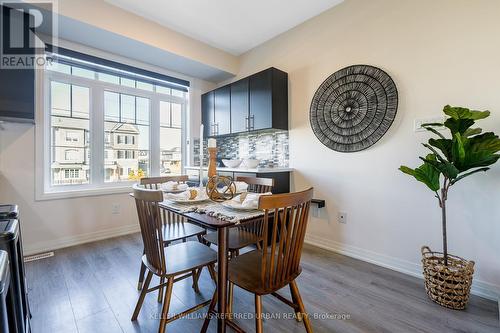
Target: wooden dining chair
173	263
250	233
174	226
265	271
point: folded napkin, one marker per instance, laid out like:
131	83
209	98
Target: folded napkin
249	200
174	186
239	187
190	194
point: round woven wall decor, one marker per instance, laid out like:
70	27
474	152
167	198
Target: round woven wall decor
353	108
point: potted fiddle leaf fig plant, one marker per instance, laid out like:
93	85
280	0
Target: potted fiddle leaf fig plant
465	152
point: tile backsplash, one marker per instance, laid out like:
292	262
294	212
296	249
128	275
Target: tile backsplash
271	147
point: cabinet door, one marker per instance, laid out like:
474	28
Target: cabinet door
207	113
223	110
239	106
261	103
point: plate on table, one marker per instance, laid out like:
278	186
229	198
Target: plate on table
181	199
173	189
231	204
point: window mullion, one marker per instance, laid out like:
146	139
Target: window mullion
97	167
154	143
185	131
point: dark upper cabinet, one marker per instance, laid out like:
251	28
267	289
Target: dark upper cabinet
261	100
222	110
239	106
207	113
268	104
257	102
17	86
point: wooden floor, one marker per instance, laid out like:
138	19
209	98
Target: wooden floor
92	288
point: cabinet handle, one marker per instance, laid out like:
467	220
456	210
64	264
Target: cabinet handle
252	122
247	123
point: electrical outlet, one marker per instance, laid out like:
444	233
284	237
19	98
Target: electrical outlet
115	208
417	125
342	217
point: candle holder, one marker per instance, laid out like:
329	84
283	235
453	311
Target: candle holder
212	161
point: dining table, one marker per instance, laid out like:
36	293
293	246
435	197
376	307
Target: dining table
221	224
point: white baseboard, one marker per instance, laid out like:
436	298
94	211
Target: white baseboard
479	288
34	248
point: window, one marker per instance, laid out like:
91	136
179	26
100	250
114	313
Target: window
127	117
71	173
89	153
170	138
69	120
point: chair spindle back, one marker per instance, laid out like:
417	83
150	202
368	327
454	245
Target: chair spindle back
154	183
150	221
289	214
256	184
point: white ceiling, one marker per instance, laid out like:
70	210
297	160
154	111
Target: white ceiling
235	26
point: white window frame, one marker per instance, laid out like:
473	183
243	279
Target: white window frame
97	186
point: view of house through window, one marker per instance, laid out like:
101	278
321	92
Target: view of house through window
69	134
170	138
79	97
126	127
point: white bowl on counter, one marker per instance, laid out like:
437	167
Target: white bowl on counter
250	163
231	163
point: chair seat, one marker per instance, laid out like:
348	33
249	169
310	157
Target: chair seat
184	257
245	272
238	238
179	230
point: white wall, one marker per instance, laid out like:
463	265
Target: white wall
438	53
54	224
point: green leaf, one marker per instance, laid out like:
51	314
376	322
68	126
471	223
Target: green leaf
468	174
480	151
444	167
457	149
430	128
464	113
487	142
458	125
472	131
444	145
407	170
425	173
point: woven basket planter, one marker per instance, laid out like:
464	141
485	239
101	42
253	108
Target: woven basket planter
448	286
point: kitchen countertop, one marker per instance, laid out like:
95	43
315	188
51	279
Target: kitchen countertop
245	170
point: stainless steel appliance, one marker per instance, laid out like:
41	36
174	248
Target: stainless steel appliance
10	241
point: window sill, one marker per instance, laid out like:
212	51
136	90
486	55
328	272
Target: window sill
88	192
